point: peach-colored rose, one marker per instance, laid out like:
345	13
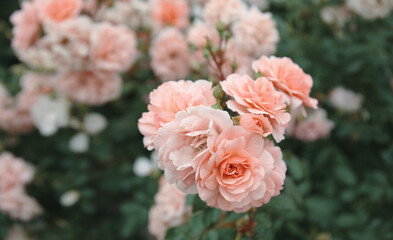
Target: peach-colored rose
256	33
170	210
93	88
26	28
178	142
14	173
226	11
197	35
256	123
241	172
170	98
18	205
36	82
257	97
170	58
289	78
174	13
315	127
113	48
58	11
65	47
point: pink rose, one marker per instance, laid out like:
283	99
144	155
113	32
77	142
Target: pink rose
93	88
58	11
113	48
16	121
256	33
170	210
315	127
345	100
241	172
170	58
226	11
174	13
256	123
170	98
18	205
289	78
257	97
14	173
26	28
178	142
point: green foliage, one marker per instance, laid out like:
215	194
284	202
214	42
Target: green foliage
338	188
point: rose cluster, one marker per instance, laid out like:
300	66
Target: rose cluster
15	173
214	140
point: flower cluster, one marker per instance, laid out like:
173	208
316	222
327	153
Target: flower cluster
227	158
15	173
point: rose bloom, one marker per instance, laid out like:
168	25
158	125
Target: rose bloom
178	142
14	172
256	123
243	171
345	100
256	33
289	78
36	82
58	11
335	15
174	13
134	14
113	48
92	88
170	58
170	98
315	127
65	47
225	11
257	97
18	205
26	28
170	210
197	35
370	9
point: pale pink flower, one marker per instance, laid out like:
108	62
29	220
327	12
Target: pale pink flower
315	127
225	11
113	48
289	78
256	33
197	35
5	97
58	11
170	210
18	205
256	123
178	142
243	171
90	6
257	97
370	9
170	98
36	82
93	88
345	100
14	173
170	57
26	28
174	13
65	47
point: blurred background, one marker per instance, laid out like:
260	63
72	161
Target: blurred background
338	187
